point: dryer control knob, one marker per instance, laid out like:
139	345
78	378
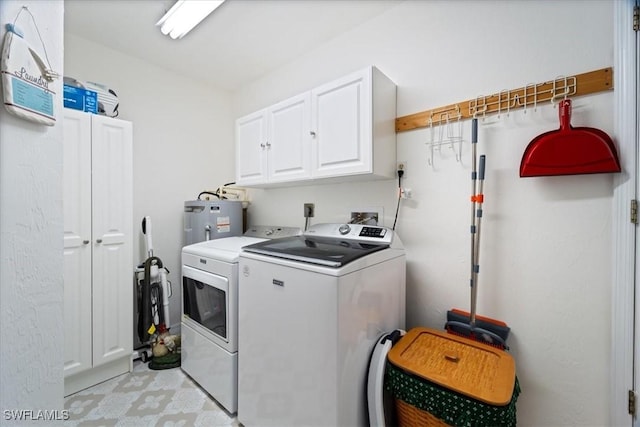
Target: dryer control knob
344	229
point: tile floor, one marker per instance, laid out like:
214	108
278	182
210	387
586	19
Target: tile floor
146	397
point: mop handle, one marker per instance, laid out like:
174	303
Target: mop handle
474	131
476	252
474	175
474	143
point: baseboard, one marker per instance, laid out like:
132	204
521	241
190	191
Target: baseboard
82	380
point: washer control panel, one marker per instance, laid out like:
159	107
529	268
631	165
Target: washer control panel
368	231
359	232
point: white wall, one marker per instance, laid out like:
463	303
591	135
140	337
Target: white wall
182	143
545	258
546	264
31	287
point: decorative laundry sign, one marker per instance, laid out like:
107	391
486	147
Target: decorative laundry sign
26	78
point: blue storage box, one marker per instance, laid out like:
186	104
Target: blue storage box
80	99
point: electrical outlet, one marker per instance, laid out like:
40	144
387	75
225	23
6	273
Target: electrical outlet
309	210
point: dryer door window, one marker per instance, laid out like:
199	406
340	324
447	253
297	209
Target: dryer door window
205	300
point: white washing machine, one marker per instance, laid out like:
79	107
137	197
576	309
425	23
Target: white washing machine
209	325
311	309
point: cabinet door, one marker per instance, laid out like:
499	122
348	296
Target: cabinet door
341	120
112	144
288	144
251	157
77	241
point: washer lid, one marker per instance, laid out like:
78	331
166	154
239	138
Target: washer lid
330	252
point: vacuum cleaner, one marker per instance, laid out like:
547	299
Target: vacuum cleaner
153	291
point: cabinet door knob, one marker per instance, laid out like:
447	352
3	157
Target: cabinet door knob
268	145
262	145
99	241
312	133
85	242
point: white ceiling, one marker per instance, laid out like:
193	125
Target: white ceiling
239	42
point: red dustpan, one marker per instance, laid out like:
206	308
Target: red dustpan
569	150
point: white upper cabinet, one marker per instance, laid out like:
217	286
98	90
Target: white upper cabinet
289	141
251	155
343	130
341	126
273	145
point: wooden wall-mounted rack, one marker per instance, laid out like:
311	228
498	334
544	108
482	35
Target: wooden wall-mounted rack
508	100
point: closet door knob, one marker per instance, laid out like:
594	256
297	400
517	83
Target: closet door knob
85	242
99	241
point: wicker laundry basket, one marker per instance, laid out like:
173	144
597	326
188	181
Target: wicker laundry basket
439	379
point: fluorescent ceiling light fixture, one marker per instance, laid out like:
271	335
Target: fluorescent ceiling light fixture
185	15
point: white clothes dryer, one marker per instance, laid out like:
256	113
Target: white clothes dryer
209	323
311	309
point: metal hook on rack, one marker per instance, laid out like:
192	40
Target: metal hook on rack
431	141
452	137
447	134
535	97
566	88
508	92
474	107
444	117
499	95
516	102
